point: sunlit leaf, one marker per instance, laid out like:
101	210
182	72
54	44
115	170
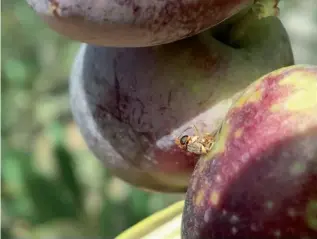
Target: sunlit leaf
165	224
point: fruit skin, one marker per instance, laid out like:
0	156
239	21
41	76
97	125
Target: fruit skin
134	23
260	179
131	103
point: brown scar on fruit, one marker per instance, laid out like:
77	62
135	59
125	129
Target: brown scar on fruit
197	144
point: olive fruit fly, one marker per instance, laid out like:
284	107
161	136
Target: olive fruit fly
197	144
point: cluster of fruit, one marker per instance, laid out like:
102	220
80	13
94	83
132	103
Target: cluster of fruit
148	70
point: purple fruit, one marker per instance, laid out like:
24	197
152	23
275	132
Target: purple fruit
134	23
132	103
260	178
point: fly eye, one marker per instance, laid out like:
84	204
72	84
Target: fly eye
183	140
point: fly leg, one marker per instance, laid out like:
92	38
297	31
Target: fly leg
198	133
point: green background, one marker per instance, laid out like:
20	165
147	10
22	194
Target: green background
52	186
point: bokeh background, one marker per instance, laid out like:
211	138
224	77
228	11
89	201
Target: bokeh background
52	186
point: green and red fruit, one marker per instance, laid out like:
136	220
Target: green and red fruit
260	179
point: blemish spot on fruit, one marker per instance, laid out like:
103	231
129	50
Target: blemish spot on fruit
245	157
199	197
207	215
234	219
224	212
234	230
269	205
277	233
238	133
311	214
253	227
214	198
291	212
218	178
297	168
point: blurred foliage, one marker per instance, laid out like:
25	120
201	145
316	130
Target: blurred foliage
52	186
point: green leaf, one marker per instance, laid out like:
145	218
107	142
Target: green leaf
16	71
68	178
56	131
139	201
48	199
12	171
5	233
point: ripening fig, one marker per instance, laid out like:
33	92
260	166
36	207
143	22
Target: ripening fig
132	103
260	178
135	23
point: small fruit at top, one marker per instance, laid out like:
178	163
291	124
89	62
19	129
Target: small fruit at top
135	23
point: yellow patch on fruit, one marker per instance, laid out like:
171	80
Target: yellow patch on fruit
249	97
199	197
304	96
299	79
276	108
302	101
238	133
214	198
311	214
220	144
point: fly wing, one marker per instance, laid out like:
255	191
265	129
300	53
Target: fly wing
195	148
